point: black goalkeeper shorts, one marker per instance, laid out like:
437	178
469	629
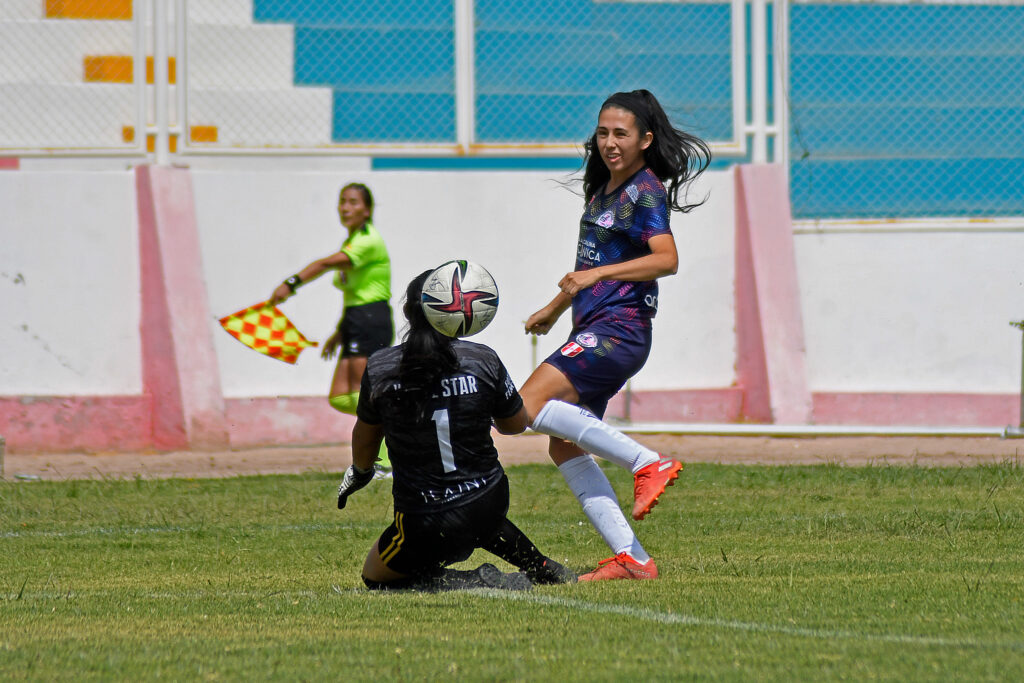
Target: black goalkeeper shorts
418	544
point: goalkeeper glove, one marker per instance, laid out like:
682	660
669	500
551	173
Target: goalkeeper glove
353	481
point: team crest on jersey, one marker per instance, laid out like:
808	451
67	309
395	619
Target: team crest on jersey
633	193
587	340
571	349
606	219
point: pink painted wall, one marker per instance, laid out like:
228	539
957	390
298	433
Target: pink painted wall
284	420
180	366
76	423
770	367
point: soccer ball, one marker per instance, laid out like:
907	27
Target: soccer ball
459	298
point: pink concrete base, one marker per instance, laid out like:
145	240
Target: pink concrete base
297	420
9	163
122	423
770	363
694	405
55	424
179	362
942	410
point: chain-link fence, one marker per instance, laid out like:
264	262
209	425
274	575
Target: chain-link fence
444	76
314	73
544	67
67	75
906	110
895	109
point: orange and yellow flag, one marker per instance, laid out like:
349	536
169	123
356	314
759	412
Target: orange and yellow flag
265	328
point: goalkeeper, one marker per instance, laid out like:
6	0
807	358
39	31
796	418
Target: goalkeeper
433	398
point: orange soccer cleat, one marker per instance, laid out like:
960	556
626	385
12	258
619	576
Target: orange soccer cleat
622	566
650	482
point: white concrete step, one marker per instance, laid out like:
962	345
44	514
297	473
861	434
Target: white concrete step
265	118
21	9
243	57
53	51
73	116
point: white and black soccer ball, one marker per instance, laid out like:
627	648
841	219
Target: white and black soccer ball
459	298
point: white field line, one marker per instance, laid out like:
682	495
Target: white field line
677	619
138	531
667	618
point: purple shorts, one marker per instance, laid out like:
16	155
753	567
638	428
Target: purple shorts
598	360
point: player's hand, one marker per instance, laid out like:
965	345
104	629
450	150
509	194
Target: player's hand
280	294
541	322
352	482
578	280
331	346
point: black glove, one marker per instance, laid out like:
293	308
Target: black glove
352	482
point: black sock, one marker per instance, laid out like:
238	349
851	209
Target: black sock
512	545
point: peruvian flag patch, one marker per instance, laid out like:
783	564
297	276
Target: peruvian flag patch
572	349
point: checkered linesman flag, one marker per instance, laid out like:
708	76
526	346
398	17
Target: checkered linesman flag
266	329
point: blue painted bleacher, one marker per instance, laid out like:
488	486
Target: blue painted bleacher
906	110
540	75
896	110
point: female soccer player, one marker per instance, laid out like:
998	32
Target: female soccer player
625	245
434	398
364	277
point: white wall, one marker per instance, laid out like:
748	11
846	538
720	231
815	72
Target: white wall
912	310
69	284
885	309
258	228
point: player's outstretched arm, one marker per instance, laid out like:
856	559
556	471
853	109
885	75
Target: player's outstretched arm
516	424
311	272
543	320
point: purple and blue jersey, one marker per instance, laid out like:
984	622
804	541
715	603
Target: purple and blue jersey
611	335
615	228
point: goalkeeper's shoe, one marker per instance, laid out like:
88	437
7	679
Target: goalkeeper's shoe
650	482
352	482
622	566
484	576
550	572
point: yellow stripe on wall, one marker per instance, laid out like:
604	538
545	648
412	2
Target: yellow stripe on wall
195	134
88	9
119	69
202	134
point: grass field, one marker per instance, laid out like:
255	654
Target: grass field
768	573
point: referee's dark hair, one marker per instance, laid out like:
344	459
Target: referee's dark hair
675	156
363	190
427	355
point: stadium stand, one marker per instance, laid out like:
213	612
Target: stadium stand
73	80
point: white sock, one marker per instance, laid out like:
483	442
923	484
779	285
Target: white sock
582	427
592	489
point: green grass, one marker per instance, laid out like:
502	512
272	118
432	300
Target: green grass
773	573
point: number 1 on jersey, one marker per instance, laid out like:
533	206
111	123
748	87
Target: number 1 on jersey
444	439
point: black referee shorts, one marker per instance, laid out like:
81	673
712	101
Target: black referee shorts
365	329
416	544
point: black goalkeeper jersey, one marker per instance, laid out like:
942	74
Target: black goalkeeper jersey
449	458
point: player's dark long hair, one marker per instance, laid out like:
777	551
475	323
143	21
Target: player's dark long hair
675	156
427	355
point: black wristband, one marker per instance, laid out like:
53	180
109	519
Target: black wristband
293	283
